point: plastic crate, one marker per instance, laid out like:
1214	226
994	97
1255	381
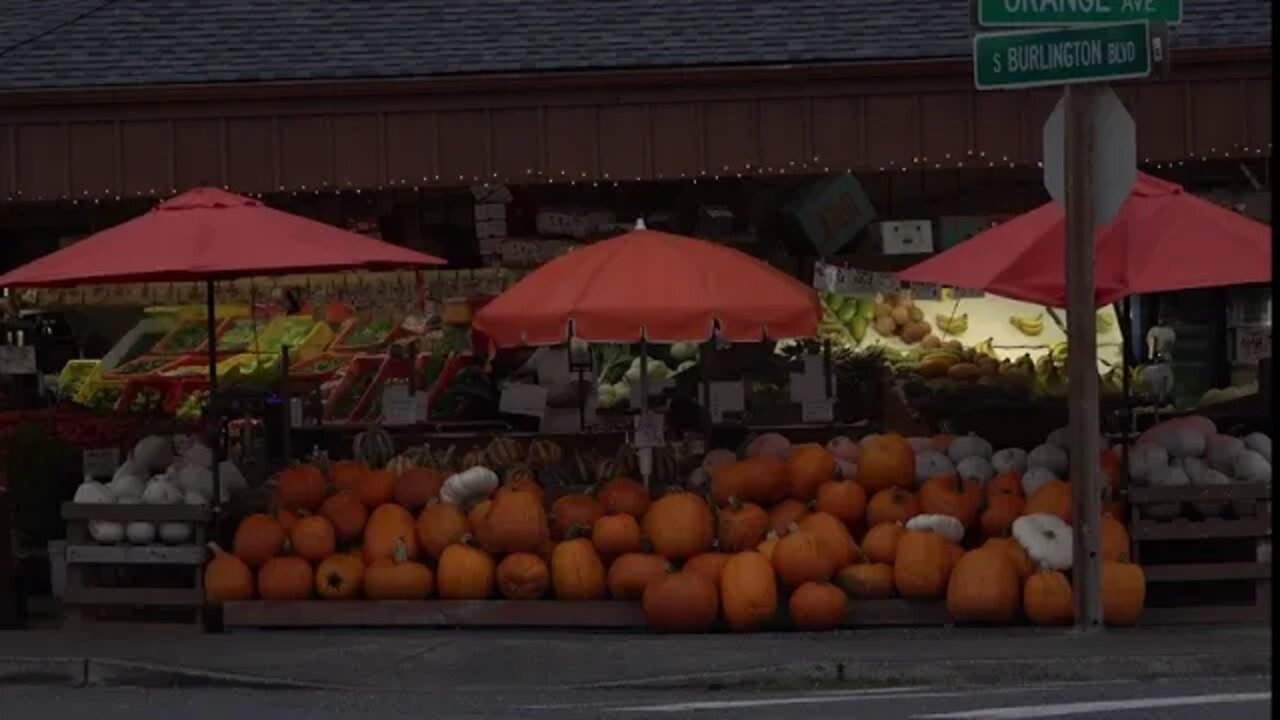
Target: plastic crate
238	323
170	345
134	388
179	392
312	369
346	400
187	366
75	374
93	393
352	326
370	407
316	340
141	367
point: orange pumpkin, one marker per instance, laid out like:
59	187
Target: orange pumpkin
809	466
346	474
339	577
886	461
785	514
954	553
630	574
1115	540
389	525
680	602
440	525
376	488
741	526
1047	599
576	571
522	479
517	523
1124	593
800	557
843	498
614	535
1016	554
1004	484
767	547
398	578
301	487
748	592
313	538
948	495
1053	498
817	606
679	525
573	510
465	572
866	581
709	565
894	505
258	538
416	486
523	576
942	441
227	578
285	578
287	519
1113	470
881	542
984	587
921	566
624	495
835	538
347	514
761	480
999	514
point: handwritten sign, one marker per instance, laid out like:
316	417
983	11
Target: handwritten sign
859	283
961	293
523	399
1252	344
726	398
833	213
398	406
887	283
100	462
817	411
926	291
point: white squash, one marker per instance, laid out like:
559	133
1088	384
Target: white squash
153	453
194	497
130	469
1251	467
1171	475
106	533
919	444
1144	459
232	479
846	469
1200	425
1035	478
969	446
174	533
1259	443
127	486
844	449
161	492
1059	438
1047	540
1204	476
944	525
92	492
138	533
1049	457
975	467
1182	442
469	486
1221	450
932	463
1009	460
198	454
1195	468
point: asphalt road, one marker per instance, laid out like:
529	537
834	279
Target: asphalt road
1236	698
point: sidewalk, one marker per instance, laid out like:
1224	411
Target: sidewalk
481	661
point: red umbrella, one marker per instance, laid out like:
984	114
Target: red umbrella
1163	239
653	286
210	234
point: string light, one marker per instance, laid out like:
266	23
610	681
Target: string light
972	158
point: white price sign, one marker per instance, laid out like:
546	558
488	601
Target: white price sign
887	283
820	411
960	293
1252	344
523	399
826	278
398	406
926	291
859	283
726	397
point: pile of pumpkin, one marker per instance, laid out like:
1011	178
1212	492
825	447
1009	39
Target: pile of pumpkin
810	527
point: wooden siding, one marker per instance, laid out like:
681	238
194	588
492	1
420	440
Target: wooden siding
625	133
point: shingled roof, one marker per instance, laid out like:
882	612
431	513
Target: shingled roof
100	43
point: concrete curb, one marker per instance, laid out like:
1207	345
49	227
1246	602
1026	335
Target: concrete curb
17	670
105	672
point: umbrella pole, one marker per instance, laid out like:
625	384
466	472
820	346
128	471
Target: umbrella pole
645	453
211	326
1126	410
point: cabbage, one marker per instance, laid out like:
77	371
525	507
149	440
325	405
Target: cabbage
683	351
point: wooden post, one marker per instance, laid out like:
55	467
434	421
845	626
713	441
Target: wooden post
1082	355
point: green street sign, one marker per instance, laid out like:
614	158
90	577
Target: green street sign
1028	13
1036	58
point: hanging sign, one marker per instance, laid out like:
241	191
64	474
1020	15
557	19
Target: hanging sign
817	411
926	291
523	399
726	399
1252	344
831	215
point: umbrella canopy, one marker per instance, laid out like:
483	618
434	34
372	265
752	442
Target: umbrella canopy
210	234
654	286
1163	239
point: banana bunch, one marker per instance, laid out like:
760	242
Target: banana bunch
1028	324
953	324
1104	322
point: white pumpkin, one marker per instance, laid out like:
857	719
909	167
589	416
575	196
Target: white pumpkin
106	533
842	448
944	525
199	455
174	533
770	444
140	533
1197	424
976	468
1035	478
969	446
716	459
161	492
153	453
1195	468
127	487
469	486
131	469
846	469
1171	475
194	477
1182	442
1144	459
1221	451
92	492
1259	443
1047	540
919	444
697	479
1251	467
1204	476
932	463
1049	457
1009	460
1059	438
232	479
194	497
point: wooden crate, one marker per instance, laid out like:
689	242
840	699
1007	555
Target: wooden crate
137	582
1204	570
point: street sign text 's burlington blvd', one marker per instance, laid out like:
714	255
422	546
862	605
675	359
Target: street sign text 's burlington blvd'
1031	58
1026	13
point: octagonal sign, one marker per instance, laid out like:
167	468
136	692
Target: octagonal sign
1115	155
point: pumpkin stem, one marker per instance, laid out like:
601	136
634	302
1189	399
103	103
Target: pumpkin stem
401	553
577	530
333	580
